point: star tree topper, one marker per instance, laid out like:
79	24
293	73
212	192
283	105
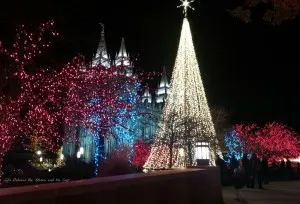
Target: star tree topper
186	4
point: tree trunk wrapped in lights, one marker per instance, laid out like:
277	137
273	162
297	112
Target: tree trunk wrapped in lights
187	99
221	120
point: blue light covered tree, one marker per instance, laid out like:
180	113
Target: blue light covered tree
234	144
126	128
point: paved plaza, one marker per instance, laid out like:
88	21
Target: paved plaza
274	193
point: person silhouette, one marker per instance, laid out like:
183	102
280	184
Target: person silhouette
238	179
233	162
265	170
256	173
245	163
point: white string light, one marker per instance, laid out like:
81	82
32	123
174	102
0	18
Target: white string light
187	99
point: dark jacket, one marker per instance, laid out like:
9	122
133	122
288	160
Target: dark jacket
238	178
255	165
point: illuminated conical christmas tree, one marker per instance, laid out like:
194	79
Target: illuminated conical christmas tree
186	118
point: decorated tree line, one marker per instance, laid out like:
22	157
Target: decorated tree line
275	11
46	102
273	141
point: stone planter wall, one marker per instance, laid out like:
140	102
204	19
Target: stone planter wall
189	186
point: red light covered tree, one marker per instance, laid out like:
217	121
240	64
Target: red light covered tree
9	126
49	98
77	96
141	154
281	10
279	141
248	135
274	140
27	45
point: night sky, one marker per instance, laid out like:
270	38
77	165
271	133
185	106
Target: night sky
250	69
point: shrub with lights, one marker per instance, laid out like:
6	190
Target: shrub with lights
141	153
118	162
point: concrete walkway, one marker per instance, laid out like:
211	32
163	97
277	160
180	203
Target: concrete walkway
274	193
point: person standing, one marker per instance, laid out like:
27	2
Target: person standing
256	173
289	170
246	167
233	163
265	171
221	164
282	169
238	178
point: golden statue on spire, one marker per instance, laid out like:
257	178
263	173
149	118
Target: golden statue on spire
186	4
102	26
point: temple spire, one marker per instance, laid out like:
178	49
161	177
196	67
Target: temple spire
101	57
164	79
122	52
163	88
147	97
122	58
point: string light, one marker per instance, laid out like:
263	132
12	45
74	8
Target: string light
187	100
126	132
96	154
48	164
234	144
48	99
31	43
141	154
274	141
9	112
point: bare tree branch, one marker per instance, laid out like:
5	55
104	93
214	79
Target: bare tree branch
221	120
